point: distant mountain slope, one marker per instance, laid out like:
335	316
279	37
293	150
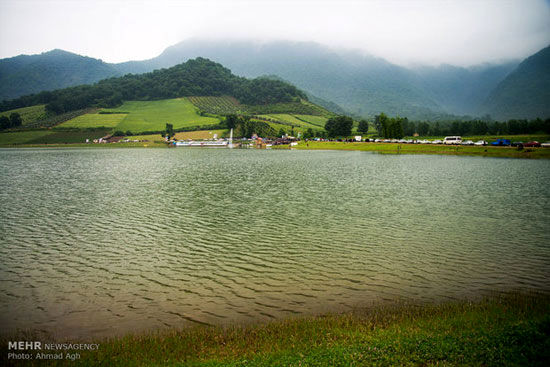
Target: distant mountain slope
196	77
24	74
461	91
361	84
349	81
525	93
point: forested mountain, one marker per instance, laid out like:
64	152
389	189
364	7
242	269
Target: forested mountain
24	74
525	93
196	77
359	84
461	91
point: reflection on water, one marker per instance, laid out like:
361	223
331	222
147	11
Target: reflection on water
95	242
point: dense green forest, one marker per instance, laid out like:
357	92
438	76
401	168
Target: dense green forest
197	77
398	127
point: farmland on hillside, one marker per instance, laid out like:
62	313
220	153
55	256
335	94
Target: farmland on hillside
94	120
218	105
29	115
314	120
228	105
290	120
69	137
22	137
154	115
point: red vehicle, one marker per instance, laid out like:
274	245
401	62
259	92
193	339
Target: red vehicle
532	144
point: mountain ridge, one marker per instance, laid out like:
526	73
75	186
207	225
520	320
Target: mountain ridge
361	84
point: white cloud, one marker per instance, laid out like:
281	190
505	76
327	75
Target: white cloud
457	32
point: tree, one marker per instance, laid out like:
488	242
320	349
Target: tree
169	131
309	133
435	130
423	128
363	126
378	123
339	126
15	120
282	132
4	122
231	121
408	127
392	128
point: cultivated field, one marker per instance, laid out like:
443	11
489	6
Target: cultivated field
94	120
314	120
29	115
50	136
291	120
218	105
22	137
228	105
145	116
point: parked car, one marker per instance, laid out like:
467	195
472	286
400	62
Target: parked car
501	142
532	144
437	142
481	143
467	142
452	140
517	143
545	145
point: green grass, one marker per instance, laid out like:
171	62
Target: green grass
218	105
291	120
22	137
314	120
511	329
29	115
391	148
541	138
68	137
94	120
145	116
226	105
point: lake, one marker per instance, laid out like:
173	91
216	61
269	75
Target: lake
98	242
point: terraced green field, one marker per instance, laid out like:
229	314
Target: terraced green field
29	115
218	105
314	120
225	105
292	120
94	120
144	116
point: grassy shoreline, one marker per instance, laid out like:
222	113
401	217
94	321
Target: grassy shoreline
509	329
395	148
382	148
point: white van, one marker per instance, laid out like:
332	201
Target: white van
452	140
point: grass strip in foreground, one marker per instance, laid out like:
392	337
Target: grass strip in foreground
511	329
395	148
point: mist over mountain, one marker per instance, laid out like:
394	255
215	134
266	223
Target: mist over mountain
524	93
461	91
360	84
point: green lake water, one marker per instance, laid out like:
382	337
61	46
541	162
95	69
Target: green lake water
96	242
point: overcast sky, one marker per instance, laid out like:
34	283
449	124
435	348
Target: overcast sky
461	32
